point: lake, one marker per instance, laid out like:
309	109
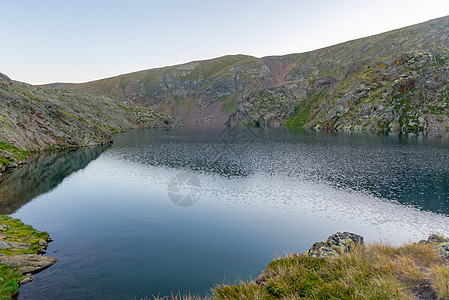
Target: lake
162	211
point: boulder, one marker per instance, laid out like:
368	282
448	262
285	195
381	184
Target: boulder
28	263
335	245
28	278
434	239
443	249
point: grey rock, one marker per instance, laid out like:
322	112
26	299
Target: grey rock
443	249
27	279
335	245
28	263
4	245
3	227
19	245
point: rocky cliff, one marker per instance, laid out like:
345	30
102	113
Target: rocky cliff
395	81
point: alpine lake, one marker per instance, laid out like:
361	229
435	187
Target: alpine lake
181	210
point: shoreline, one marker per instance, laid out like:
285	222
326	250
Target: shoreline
22	250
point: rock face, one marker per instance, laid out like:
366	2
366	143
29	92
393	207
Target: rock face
394	82
35	119
28	263
335	245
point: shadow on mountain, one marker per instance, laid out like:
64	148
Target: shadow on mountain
43	172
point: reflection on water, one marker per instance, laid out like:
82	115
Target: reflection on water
411	170
43	172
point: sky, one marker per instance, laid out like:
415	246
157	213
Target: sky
82	40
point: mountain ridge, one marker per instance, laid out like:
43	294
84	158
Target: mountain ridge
52	84
228	89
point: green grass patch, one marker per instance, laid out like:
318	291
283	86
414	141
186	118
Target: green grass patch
15	231
23	239
20	154
4	161
302	112
9	279
229	105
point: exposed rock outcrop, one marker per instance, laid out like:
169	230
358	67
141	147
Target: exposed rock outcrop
28	263
335	245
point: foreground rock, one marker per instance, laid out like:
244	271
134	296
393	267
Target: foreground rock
28	263
441	245
443	249
335	245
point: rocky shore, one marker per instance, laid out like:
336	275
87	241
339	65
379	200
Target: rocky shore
22	250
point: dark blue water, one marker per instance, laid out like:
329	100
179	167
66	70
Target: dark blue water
162	211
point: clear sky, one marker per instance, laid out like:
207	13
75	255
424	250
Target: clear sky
80	40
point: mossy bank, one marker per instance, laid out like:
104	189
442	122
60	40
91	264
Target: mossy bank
21	255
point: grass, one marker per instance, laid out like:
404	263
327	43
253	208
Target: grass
9	279
20	154
13	230
368	272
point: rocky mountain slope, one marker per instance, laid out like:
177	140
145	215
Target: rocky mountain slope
35	119
394	81
203	92
399	93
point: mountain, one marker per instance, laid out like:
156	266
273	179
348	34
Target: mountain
395	81
36	119
203	92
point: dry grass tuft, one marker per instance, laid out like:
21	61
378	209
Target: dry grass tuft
375	271
440	278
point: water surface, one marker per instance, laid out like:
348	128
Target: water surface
167	210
